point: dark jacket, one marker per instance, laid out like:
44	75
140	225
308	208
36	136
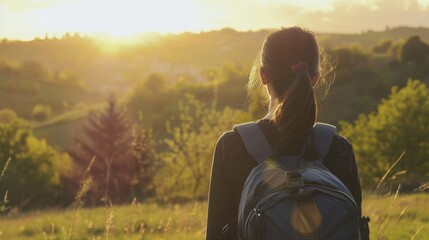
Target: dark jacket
232	164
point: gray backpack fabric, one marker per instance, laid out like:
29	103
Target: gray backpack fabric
291	197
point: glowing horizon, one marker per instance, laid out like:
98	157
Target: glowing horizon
28	19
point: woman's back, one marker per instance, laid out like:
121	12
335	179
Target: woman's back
232	164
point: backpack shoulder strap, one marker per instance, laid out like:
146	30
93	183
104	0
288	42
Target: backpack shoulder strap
322	136
254	140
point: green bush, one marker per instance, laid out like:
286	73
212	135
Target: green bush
7	115
382	46
32	178
41	112
400	124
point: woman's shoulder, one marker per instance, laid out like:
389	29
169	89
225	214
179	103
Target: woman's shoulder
341	141
232	140
340	152
231	137
231	145
229	140
226	136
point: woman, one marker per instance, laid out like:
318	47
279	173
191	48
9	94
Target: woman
292	111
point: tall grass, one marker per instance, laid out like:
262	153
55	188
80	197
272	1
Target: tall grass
78	202
5	168
389	220
393	216
4	202
148	221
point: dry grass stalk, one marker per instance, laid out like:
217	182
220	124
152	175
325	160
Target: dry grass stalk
402	213
416	233
109	224
142	230
389	170
3	205
4	168
422	188
83	189
389	212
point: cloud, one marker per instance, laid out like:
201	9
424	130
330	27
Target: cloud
342	16
30	18
249	14
356	16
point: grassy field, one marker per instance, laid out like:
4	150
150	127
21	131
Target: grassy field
135	221
393	217
398	217
47	93
60	130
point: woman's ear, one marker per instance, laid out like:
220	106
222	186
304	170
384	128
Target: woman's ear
264	77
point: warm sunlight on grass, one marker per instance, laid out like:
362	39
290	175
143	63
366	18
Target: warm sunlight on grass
402	217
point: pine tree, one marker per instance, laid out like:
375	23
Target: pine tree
108	138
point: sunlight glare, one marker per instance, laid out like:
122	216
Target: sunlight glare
116	18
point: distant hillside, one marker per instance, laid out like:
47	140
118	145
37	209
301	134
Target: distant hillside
370	38
21	96
177	56
62	130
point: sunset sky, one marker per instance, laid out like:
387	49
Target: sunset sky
26	19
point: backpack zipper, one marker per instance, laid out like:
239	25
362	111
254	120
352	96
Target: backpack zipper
257	210
253	212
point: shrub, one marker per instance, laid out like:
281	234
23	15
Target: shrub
41	112
400	124
7	115
32	178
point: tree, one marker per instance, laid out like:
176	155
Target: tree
152	98
107	138
33	176
382	46
351	57
41	112
143	147
414	50
396	50
400	124
188	148
155	82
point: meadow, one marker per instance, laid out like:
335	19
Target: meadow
392	217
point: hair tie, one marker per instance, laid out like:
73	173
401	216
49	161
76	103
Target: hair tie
300	66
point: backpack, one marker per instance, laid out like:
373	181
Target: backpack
291	197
